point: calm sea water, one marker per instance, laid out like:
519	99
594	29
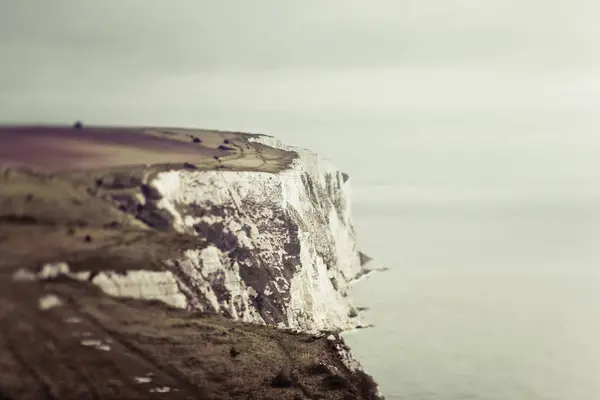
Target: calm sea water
485	300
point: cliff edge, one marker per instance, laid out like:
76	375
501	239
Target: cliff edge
174	263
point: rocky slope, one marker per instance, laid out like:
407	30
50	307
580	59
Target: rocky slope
179	264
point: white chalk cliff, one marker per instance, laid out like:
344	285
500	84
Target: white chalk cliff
281	248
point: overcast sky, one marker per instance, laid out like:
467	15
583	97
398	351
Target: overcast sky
447	92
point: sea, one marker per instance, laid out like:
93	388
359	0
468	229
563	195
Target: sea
485	299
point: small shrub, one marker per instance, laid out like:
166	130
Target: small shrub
336	382
282	380
318	368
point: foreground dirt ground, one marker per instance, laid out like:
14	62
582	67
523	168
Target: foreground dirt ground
64	339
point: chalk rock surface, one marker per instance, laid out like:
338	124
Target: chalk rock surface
281	247
221	226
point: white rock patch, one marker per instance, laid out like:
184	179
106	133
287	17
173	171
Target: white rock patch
49	301
97	344
53	270
162	389
142	284
139	284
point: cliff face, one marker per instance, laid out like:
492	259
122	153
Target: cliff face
280	247
252	230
